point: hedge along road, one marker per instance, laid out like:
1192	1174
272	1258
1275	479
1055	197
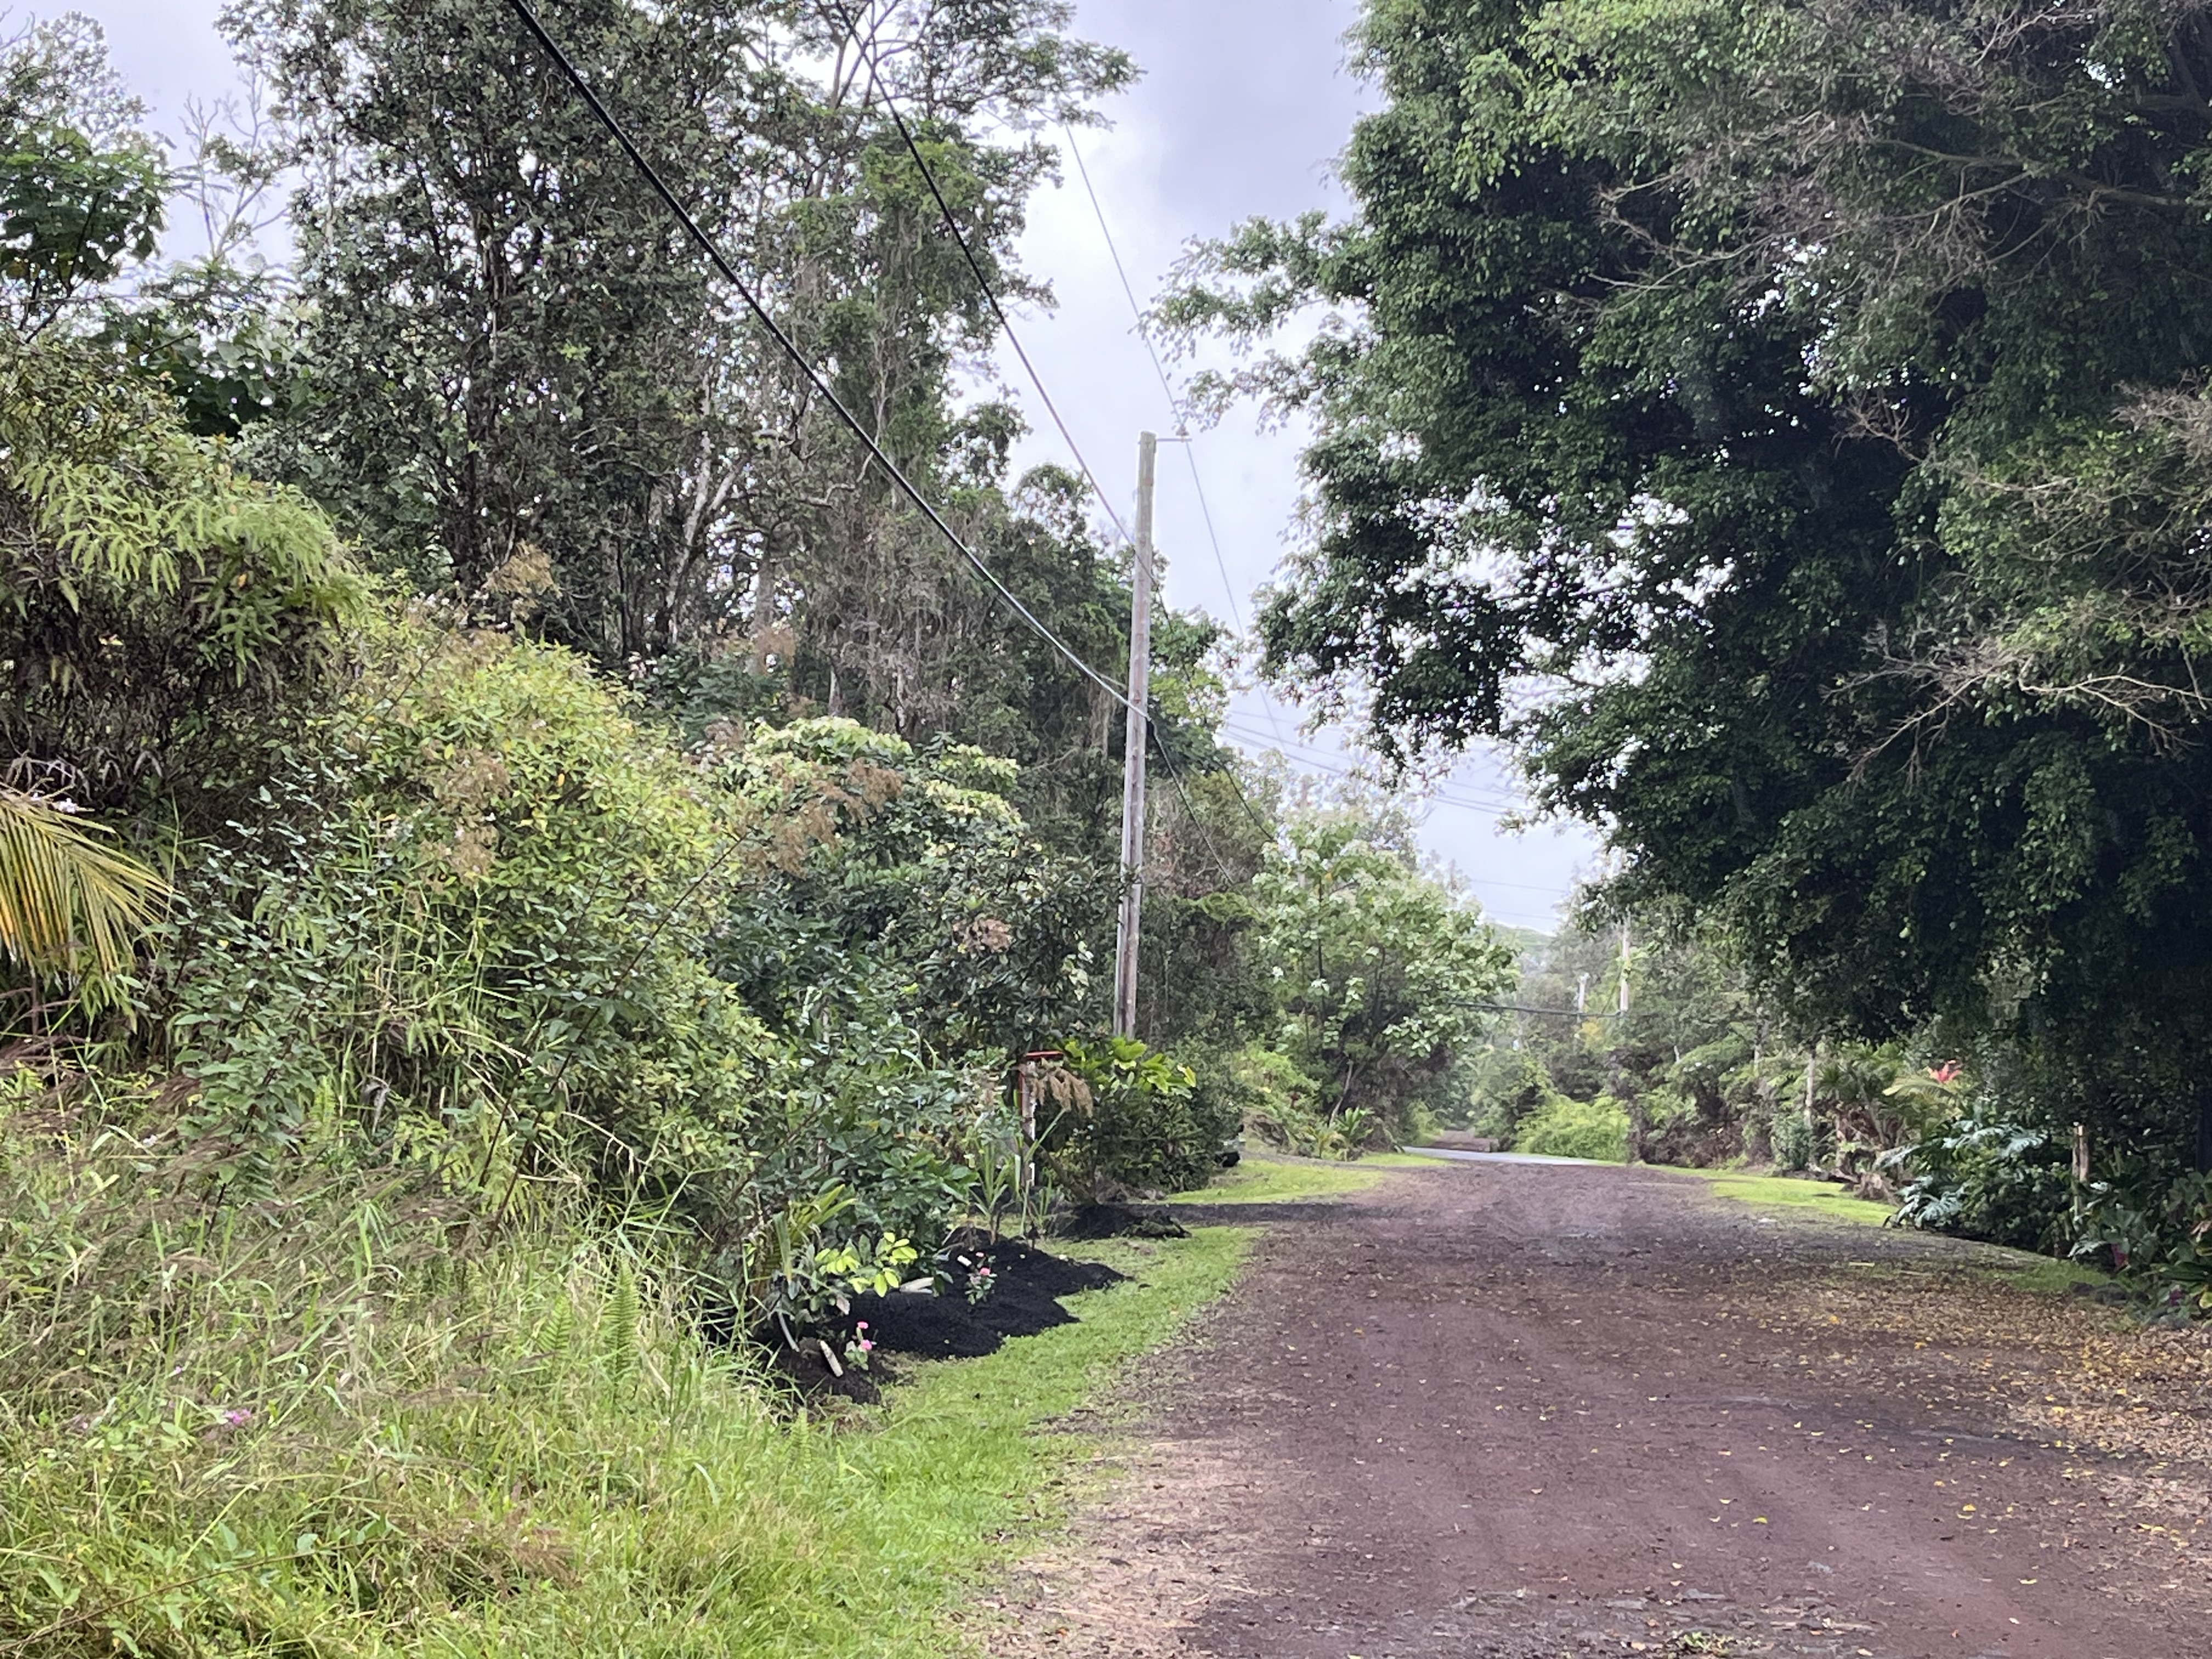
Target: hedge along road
1521	1410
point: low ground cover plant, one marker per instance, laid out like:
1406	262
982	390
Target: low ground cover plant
350	1417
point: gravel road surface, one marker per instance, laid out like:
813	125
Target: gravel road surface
1519	1410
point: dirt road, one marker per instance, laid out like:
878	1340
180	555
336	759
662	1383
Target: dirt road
1520	1411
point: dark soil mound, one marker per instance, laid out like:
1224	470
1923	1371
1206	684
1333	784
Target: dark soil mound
1120	1221
807	1374
1026	1285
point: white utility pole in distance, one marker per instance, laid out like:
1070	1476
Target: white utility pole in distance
1132	756
1624	970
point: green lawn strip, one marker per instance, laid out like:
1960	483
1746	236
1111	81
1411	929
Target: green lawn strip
2043	1275
578	1495
958	1479
2023	1270
1271	1178
1782	1193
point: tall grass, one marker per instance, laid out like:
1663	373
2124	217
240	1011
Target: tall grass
343	1418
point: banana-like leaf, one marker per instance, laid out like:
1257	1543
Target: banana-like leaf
69	905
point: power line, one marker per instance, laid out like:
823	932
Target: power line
1167	386
1327	762
1522	1008
1307	756
866	48
708	245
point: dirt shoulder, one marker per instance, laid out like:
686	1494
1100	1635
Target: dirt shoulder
1519	1410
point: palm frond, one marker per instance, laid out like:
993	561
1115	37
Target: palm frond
69	905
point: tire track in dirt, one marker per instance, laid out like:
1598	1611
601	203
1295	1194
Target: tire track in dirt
1513	1410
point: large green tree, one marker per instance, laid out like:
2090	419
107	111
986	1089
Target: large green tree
513	346
1381	972
1782	422
82	183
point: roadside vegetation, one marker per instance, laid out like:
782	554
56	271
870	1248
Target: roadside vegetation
533	879
532	882
1814	503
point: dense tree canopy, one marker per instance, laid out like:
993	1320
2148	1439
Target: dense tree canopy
512	344
1380	972
1782	420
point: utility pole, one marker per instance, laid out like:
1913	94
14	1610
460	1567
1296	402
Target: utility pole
1133	748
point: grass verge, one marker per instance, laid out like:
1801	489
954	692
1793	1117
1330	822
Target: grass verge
1273	1178
2021	1270
940	1495
2043	1275
533	1457
1781	1193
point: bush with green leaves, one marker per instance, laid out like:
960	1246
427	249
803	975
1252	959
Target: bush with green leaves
492	924
1141	1120
1561	1127
903	876
1510	1084
166	619
1278	1105
466	929
1989	1175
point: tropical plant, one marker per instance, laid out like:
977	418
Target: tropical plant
71	908
164	617
1147	1122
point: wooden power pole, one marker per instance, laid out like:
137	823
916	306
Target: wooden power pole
1132	754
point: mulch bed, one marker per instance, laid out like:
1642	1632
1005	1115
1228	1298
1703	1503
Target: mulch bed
1120	1221
1026	1285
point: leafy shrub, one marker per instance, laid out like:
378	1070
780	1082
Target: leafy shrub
1278	1104
903	876
1988	1176
1510	1084
1149	1123
1797	1142
1564	1128
469	932
496	927
162	617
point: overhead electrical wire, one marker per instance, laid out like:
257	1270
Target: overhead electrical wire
891	470
1175	405
864	46
1323	761
713	253
1524	1008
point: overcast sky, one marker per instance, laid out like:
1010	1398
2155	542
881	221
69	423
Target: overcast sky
1241	107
